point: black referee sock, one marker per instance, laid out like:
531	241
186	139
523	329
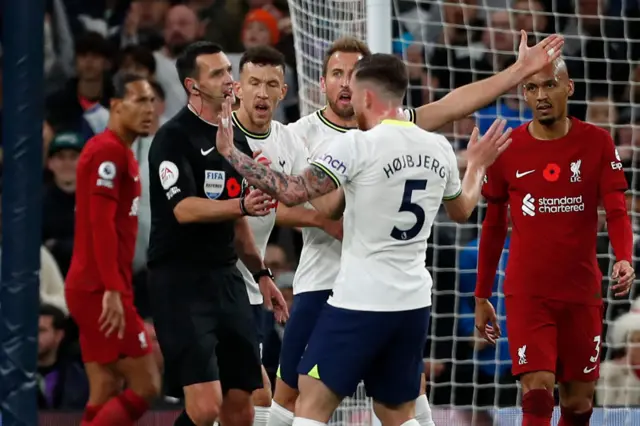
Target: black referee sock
183	420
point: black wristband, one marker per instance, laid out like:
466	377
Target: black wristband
263	273
243	209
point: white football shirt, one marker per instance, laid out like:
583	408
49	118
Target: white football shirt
283	148
395	177
320	258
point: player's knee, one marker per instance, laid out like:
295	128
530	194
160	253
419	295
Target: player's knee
237	409
147	389
579	399
538	380
262	397
202	412
202	402
394	415
144	378
103	384
285	395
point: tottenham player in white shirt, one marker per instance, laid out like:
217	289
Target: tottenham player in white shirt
319	260
375	325
260	89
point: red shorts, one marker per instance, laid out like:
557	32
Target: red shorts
551	335
85	309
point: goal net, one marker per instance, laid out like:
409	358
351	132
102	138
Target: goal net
449	43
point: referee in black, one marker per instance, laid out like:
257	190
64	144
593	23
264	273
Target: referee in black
200	305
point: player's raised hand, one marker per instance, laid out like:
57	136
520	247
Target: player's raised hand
483	152
112	317
487	321
534	59
257	203
224	136
623	275
273	299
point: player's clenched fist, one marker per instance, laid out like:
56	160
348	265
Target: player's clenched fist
623	275
482	153
257	203
487	320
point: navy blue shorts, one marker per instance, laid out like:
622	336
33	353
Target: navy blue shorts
259	321
383	349
302	320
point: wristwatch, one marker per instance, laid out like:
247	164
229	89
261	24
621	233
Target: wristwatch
263	273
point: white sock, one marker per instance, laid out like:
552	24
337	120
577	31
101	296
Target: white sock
412	422
279	416
261	416
301	421
423	412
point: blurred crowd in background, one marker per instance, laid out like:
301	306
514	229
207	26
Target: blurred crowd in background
446	44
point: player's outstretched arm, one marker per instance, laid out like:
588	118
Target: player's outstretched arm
481	154
290	190
331	205
301	217
469	98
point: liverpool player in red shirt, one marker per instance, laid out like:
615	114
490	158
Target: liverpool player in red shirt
98	289
553	178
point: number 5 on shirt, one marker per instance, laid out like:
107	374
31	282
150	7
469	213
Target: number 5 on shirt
409	206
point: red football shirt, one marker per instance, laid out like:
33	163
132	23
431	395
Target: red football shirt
553	189
107	194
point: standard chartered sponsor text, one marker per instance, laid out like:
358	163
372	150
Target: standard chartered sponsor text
561	204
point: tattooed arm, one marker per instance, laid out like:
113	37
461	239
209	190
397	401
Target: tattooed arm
290	190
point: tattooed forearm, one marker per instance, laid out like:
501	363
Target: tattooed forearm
290	190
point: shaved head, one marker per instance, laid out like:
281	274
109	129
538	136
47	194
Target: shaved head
559	68
547	92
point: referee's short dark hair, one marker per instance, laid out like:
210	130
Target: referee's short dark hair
262	55
186	63
120	82
386	71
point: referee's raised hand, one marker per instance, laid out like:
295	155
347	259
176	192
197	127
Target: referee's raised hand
273	299
224	136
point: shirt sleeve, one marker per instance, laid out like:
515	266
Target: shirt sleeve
494	187
612	174
169	164
108	167
339	161
453	188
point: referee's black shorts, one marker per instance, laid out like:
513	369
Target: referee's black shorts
205	327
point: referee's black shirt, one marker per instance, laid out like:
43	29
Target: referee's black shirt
183	162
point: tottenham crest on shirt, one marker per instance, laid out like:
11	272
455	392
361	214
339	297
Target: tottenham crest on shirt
213	183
